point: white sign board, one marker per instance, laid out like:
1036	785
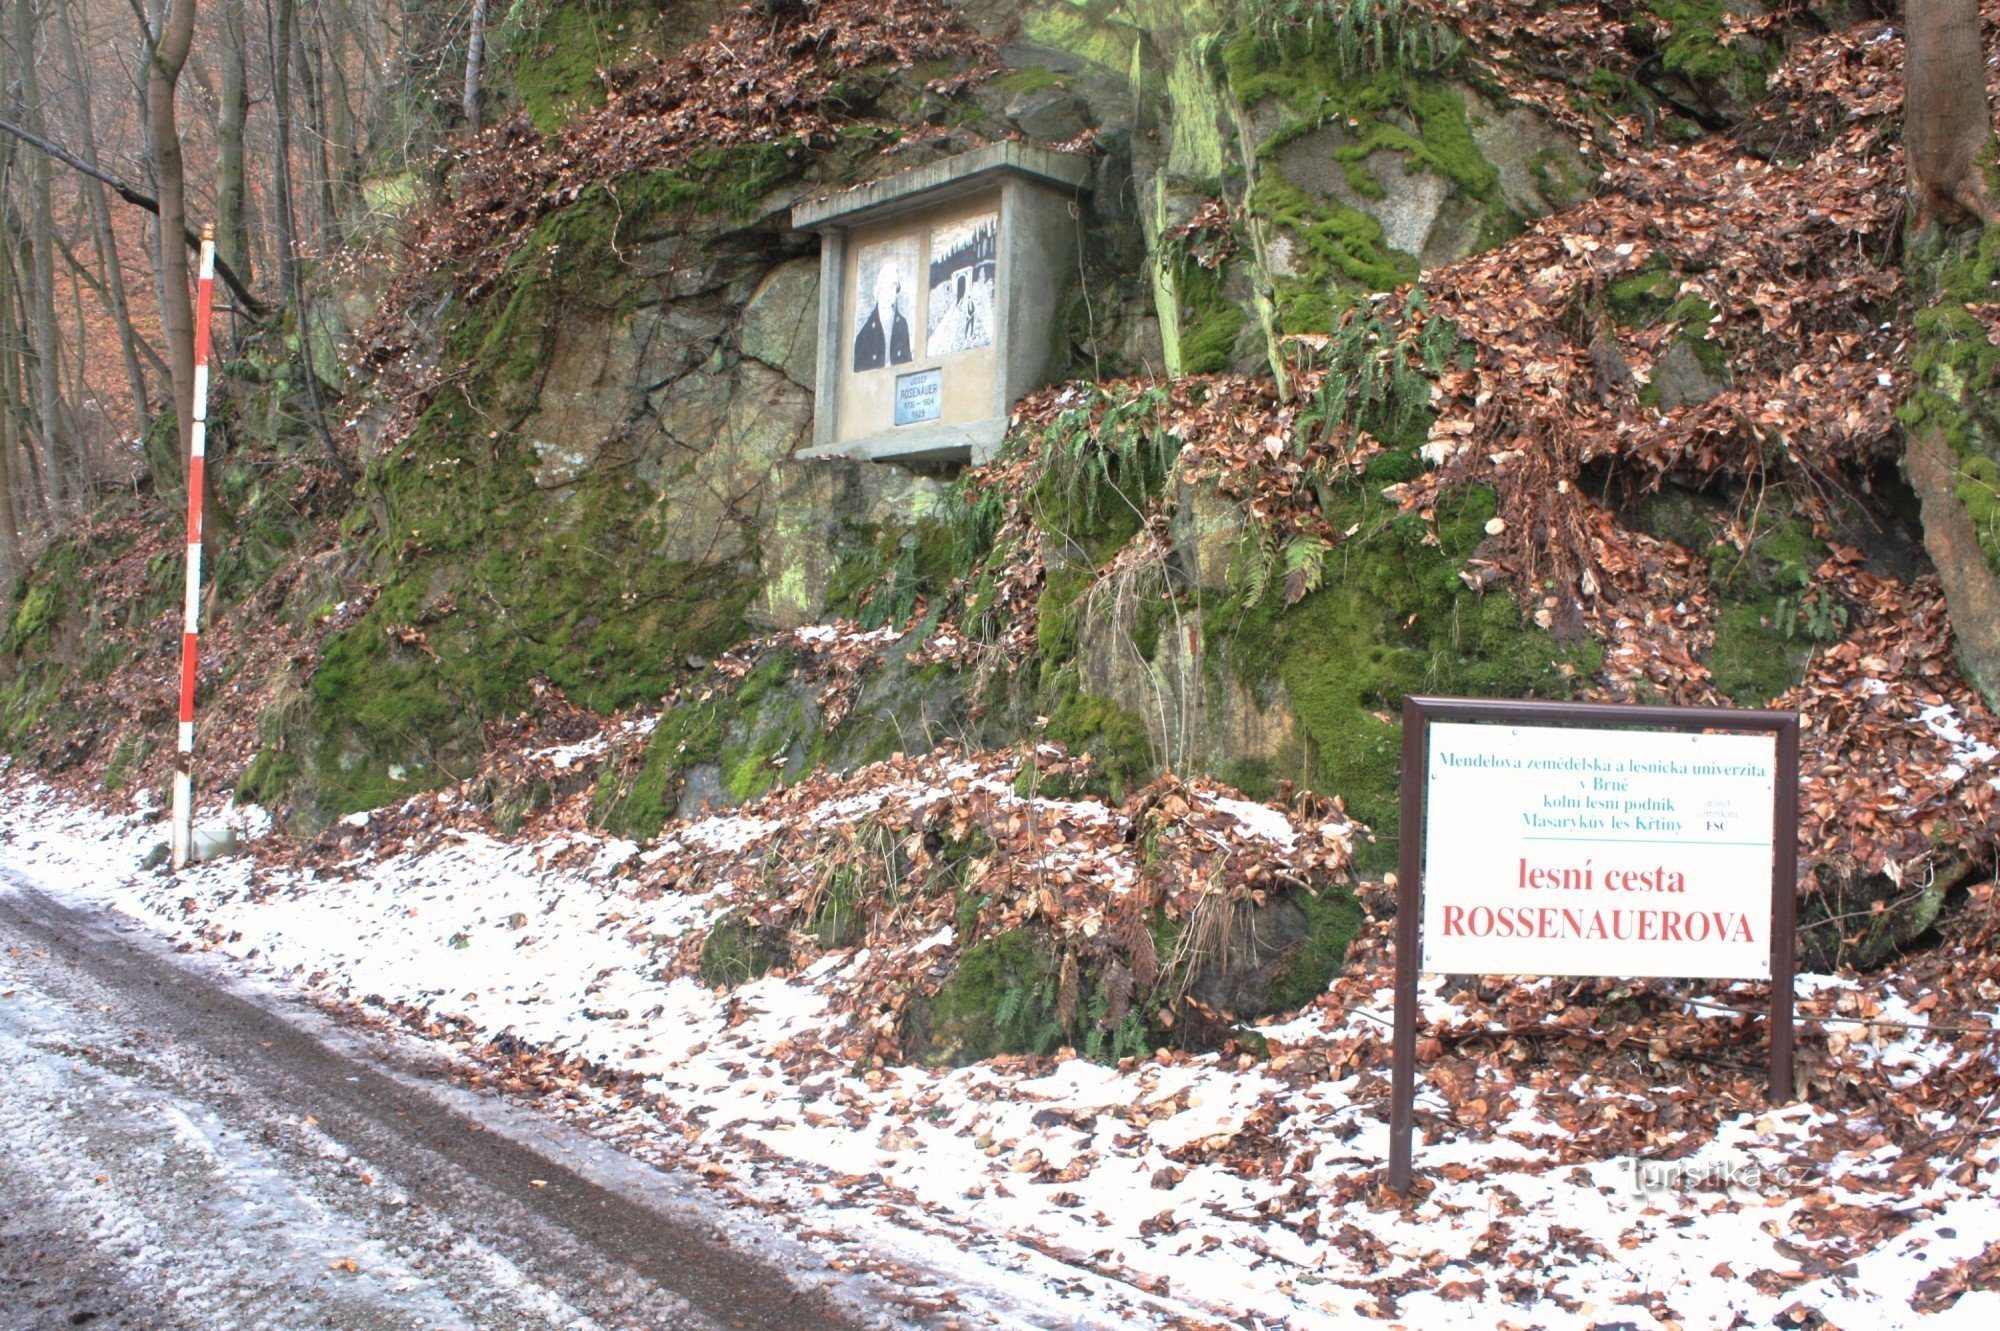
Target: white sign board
1569	851
918	396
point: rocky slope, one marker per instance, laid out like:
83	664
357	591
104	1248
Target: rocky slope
1494	348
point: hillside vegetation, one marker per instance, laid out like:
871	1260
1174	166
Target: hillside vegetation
1497	348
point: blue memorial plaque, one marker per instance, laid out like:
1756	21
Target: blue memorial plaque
919	396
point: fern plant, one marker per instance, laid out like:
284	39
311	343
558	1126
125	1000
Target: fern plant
973	518
1119	456
1358	37
1374	379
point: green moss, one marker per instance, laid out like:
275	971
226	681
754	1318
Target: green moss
34	618
1098	30
1338	245
1383	111
1026	79
1102	463
884	570
25	703
1446	146
1695	50
1955	370
557	61
1115	738
1979	490
1001	998
1065	592
1642	298
1749	659
736	952
1767	611
1211	323
1332	921
1393	619
129	751
693	733
1153	615
488	579
754	766
268	776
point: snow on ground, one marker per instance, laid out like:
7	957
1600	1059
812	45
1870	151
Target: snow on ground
1127	1178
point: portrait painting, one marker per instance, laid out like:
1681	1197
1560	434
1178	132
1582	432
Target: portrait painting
885	303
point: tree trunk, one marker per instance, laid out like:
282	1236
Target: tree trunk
291	278
233	110
1946	128
166	55
167	46
475	57
17	456
1947	136
10	509
41	264
1970	588
115	297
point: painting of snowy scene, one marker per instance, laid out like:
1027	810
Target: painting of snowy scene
964	256
884	303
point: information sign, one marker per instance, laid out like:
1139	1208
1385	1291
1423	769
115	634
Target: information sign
1559	851
1590	839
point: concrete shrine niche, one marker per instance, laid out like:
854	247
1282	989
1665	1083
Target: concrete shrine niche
941	299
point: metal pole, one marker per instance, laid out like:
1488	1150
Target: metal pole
1409	905
183	833
1784	913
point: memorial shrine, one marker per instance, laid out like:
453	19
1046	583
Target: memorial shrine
941	297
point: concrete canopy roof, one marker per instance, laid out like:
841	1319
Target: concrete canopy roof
941	180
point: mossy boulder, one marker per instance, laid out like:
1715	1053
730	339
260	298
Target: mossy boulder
999	999
1016	992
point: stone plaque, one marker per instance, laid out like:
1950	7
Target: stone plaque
919	397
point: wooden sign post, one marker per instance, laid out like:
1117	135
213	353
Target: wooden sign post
1593	839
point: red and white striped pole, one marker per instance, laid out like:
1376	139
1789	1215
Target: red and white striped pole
183	834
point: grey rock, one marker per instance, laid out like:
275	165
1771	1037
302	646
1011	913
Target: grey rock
1681	380
1410	201
1050	115
781	321
701	789
1539	166
814	506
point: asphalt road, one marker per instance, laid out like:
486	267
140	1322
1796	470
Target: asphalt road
174	1154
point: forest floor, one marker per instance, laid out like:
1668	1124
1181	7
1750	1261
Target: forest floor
1590	1156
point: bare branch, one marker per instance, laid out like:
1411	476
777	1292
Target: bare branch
255	308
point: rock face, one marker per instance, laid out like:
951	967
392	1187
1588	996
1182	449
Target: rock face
781	321
718	438
606	486
815	508
1681	380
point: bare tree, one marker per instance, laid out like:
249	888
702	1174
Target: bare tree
112	290
1948	132
40	262
1946	128
168	35
233	109
10	495
291	277
475	58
